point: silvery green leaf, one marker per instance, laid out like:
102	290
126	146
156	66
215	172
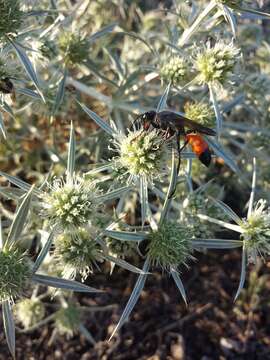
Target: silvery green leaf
228	14
243	273
253	188
227	210
19	218
197	22
99	169
133	298
9	326
106	127
27	65
259	14
179	283
1	235
60	94
2	126
11	192
60	283
113	194
163	100
89	90
172	186
86	334
138	37
7	109
20	183
216	108
71	153
28	92
216	243
124	264
143	198
44	251
125	235
224	224
103	31
219	151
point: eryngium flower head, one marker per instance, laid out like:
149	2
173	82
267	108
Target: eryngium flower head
29	312
216	64
11	17
200	112
174	70
71	204
67	320
73	47
141	153
256	231
170	245
78	252
15	273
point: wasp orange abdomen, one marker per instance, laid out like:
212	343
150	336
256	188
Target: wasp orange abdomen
200	147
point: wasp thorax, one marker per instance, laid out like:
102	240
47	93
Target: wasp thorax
256	231
216	64
142	153
170	245
15	273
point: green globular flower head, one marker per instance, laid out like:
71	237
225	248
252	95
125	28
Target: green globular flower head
216	64
11	17
73	48
29	312
71	204
67	320
174	70
200	112
78	252
15	273
141	154
256	231
170	245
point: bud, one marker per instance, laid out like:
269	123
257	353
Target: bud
71	204
78	252
74	48
256	231
170	245
141	153
67	320
200	112
15	273
174	70
216	64
29	312
11	17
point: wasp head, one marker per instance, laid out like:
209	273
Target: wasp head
148	118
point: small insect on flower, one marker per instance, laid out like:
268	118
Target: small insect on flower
172	124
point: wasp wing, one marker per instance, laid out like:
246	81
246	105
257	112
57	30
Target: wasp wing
179	122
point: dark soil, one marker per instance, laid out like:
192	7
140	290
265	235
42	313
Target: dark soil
161	327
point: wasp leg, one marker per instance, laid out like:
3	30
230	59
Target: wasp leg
179	150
